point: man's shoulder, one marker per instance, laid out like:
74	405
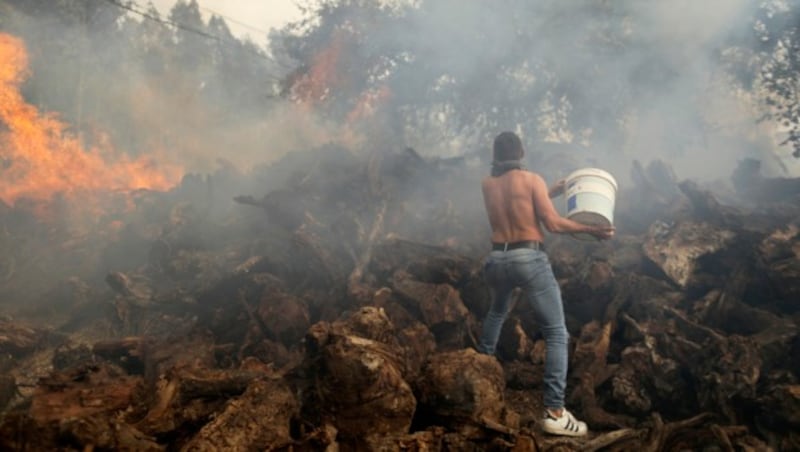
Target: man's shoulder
525	174
532	175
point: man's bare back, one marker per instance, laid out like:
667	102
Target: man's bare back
518	203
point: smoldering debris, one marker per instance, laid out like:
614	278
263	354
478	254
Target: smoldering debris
301	320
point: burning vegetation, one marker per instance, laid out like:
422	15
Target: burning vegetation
42	159
330	299
303	321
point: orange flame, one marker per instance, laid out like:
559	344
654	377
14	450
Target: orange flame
369	101
39	158
314	85
326	74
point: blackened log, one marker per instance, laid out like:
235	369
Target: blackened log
514	343
358	383
752	186
425	262
780	252
283	317
676	248
438	306
188	396
129	353
104	433
18	340
590	366
660	433
259	419
461	389
707	208
8	390
83	392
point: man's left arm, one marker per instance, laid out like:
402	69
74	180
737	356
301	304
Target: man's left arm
557	189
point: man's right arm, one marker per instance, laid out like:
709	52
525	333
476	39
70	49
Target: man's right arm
553	221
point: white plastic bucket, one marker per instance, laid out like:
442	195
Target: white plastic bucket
590	195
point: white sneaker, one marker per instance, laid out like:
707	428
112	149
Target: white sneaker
565	425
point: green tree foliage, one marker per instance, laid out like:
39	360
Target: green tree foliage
192	51
484	65
147	80
58	37
556	70
441	70
778	33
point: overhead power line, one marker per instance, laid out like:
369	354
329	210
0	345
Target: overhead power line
233	20
167	22
189	29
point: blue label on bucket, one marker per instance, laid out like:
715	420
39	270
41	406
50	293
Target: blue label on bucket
572	202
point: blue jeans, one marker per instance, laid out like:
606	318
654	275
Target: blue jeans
530	270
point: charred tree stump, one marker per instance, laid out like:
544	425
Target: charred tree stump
358	384
185	396
464	391
438	306
259	419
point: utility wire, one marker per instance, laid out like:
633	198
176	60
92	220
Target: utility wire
189	29
167	22
235	21
238	22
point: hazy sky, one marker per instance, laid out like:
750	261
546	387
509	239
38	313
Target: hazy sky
245	17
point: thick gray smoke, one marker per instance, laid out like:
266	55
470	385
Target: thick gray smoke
592	83
607	81
656	69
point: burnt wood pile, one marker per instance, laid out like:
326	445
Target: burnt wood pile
331	301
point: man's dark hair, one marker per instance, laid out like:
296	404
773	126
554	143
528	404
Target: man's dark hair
507	146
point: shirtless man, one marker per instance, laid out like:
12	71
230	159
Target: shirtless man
518	203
